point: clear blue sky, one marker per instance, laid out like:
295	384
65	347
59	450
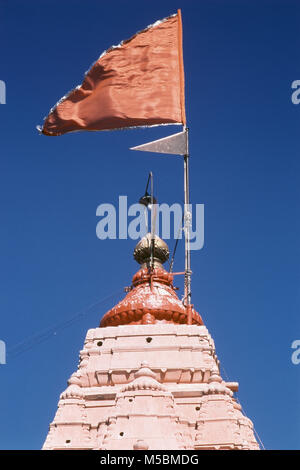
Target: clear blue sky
240	60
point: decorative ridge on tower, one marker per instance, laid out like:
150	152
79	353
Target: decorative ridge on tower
144	379
151	298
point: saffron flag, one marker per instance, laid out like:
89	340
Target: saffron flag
140	82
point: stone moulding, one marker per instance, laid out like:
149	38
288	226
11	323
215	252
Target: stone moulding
111	393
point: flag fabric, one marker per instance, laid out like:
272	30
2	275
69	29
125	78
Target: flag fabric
175	144
140	82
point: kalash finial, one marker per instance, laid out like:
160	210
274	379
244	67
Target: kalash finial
142	251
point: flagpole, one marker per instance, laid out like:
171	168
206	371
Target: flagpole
176	144
187	222
152	222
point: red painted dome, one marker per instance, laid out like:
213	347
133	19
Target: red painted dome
152	297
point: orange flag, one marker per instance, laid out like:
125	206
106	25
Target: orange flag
140	82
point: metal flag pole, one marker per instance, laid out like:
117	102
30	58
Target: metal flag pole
187	223
152	223
176	144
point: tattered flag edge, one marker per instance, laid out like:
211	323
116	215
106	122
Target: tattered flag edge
41	132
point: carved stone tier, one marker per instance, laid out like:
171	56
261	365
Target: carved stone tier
149	386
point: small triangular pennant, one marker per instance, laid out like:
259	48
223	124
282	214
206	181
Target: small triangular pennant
175	144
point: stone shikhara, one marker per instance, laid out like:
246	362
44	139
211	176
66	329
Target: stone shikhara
148	380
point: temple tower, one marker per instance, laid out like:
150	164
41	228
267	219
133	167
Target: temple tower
148	380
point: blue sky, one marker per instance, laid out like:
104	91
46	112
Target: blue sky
240	60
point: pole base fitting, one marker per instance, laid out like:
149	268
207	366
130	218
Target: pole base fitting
189	311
